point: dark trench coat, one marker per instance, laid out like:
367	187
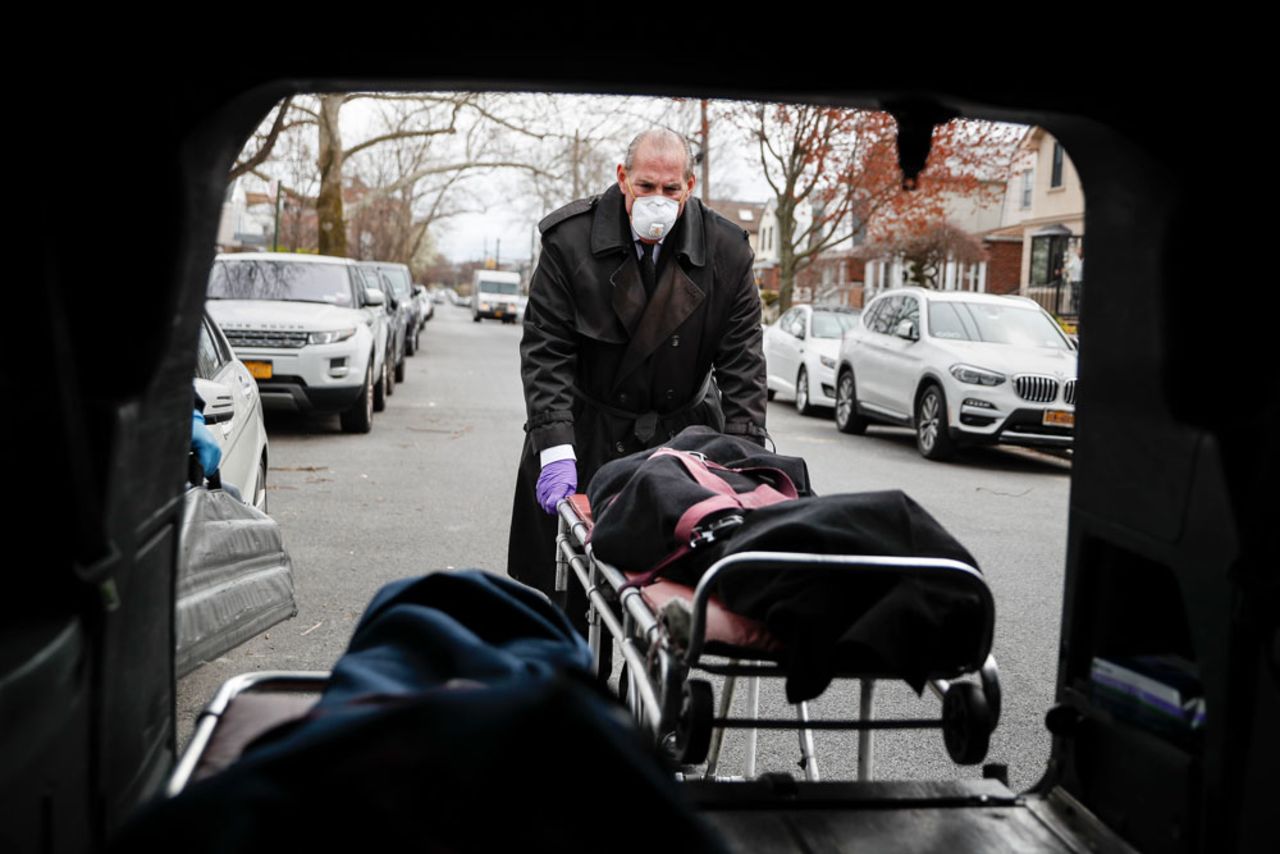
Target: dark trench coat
611	372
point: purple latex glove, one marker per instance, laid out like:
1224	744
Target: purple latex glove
558	480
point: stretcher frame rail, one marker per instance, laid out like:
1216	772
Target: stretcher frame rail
658	668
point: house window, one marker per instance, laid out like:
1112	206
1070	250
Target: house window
1026	190
1055	178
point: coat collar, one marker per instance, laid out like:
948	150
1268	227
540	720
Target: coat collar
610	230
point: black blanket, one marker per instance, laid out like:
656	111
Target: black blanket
461	718
897	625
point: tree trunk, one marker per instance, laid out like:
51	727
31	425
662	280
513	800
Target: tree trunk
332	224
785	216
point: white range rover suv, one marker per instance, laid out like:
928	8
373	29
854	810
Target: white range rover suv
306	328
960	368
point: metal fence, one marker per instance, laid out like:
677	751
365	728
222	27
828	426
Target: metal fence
1061	299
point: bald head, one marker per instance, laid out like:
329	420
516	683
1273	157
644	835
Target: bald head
659	142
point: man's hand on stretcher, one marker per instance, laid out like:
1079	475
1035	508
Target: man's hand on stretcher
558	480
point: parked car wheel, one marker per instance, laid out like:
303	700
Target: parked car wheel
475	318
410	342
770	394
847	418
380	391
359	418
400	370
803	406
388	374
260	488
932	438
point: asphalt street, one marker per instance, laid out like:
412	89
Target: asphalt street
430	488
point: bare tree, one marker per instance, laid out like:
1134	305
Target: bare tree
417	161
410	182
582	138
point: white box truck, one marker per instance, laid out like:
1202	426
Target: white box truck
496	293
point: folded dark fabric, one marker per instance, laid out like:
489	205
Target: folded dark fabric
461	718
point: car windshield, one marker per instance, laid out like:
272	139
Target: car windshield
280	280
491	287
995	324
832	324
399	280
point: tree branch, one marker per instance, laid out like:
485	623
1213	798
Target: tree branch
413	178
503	122
310	201
265	150
400	134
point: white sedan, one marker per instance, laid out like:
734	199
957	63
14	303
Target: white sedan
800	351
233	414
960	368
234	576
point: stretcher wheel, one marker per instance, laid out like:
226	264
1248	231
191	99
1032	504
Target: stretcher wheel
966	723
693	727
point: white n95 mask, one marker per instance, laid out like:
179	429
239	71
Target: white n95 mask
653	216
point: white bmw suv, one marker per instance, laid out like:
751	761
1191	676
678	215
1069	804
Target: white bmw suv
306	327
960	368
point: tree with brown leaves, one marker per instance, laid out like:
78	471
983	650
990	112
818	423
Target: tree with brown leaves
842	165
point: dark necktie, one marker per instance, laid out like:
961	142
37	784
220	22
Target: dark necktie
648	273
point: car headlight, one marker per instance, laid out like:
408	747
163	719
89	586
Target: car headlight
827	361
484	306
331	337
976	376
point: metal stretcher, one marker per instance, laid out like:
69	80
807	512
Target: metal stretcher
663	649
770	812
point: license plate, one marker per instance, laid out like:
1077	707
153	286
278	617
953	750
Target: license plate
1058	418
259	370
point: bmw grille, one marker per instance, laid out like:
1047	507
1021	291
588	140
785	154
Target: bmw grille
1037	389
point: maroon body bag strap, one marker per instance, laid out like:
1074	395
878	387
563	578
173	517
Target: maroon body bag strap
725	497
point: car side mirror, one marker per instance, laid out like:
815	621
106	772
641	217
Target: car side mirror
800	333
373	296
219	405
906	329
